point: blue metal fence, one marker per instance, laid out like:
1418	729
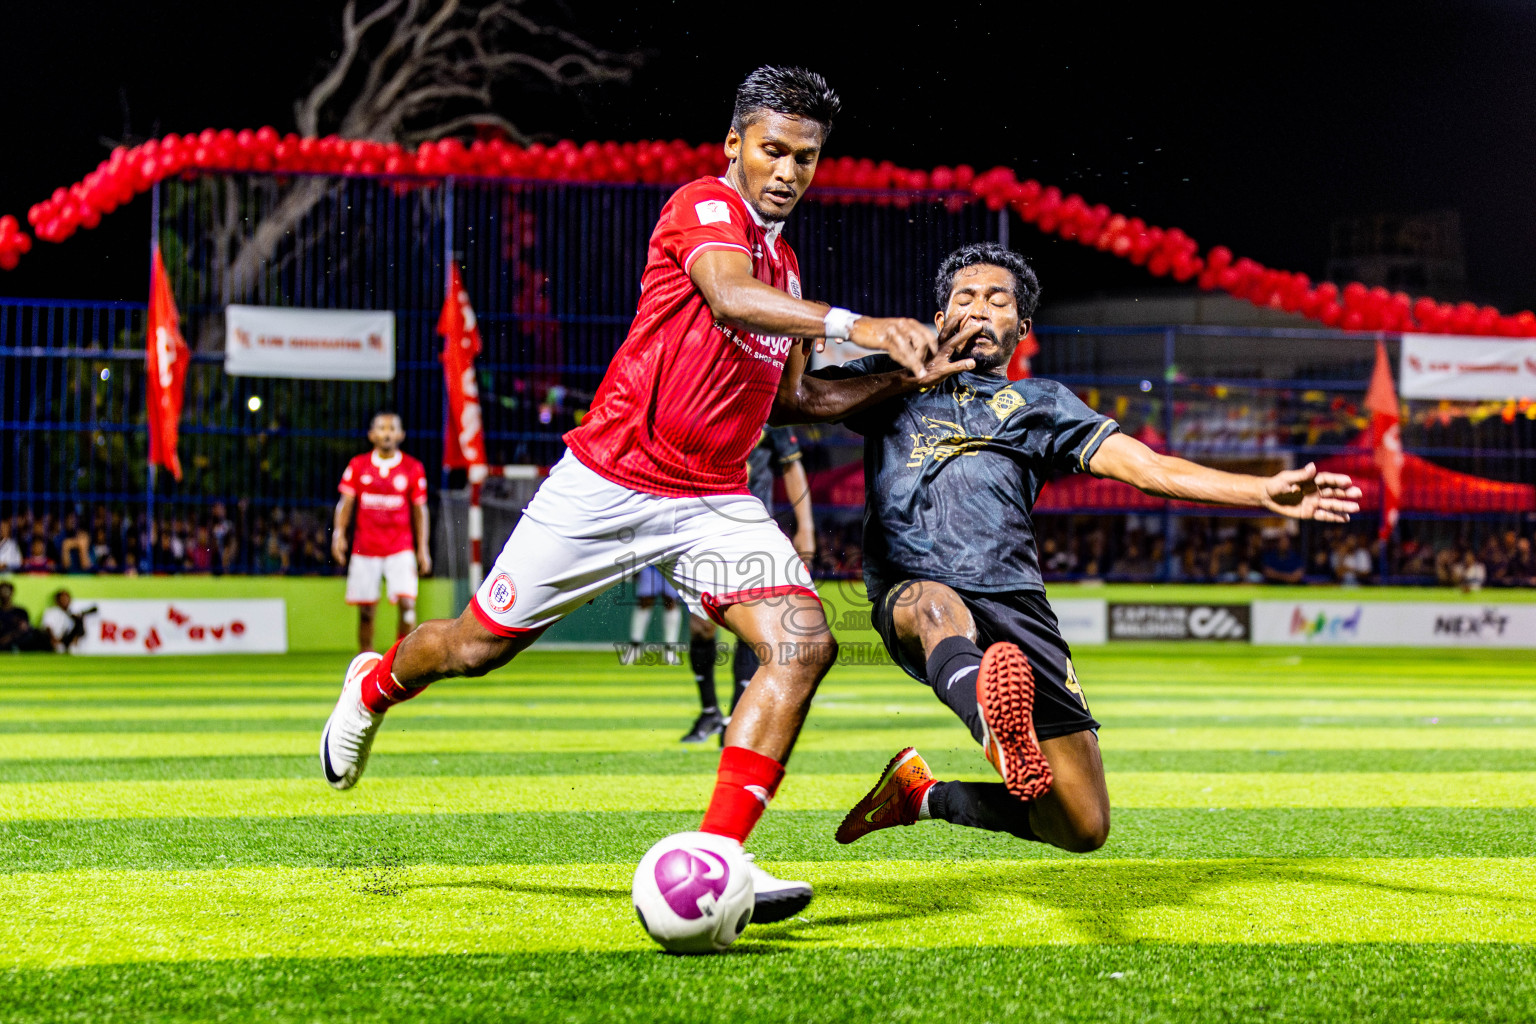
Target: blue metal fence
554	272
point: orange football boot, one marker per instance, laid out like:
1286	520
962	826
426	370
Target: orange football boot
1005	690
895	800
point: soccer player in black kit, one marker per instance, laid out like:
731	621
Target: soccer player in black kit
951	475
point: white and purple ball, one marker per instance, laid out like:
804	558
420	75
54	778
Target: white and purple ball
693	892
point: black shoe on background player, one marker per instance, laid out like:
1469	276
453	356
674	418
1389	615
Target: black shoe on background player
709	723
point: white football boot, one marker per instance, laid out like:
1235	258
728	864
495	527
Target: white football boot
350	730
777	899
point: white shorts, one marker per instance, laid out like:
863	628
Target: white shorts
583	534
366	572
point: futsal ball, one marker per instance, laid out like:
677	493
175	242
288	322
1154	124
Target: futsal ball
693	892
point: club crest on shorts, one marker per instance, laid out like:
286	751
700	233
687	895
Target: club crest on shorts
503	594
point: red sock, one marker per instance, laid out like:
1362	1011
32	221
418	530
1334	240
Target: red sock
744	784
381	690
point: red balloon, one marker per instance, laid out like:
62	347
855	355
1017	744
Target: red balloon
8	259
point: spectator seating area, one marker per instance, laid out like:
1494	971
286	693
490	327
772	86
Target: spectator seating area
241	538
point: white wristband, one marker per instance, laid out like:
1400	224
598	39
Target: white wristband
838	323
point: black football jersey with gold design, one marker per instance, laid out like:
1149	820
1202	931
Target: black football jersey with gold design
951	474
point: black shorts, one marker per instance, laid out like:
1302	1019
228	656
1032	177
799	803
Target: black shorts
1020	617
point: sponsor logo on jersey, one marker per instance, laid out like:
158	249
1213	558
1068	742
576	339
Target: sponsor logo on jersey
1005	403
769	348
942	439
381	502
503	595
713	211
794	285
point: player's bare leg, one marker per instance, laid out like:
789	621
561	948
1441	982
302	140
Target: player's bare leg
1073	814
365	616
407	618
374	683
446	648
792	631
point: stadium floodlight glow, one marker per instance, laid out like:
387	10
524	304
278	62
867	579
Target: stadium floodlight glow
253	403
106	373
1146	385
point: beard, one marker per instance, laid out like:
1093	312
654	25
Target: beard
987	362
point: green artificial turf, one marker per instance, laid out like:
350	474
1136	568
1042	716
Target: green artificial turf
1317	835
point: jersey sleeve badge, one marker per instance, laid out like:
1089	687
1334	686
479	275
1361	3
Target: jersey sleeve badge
713	211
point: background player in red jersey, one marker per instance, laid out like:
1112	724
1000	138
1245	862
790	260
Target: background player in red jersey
388	491
657	472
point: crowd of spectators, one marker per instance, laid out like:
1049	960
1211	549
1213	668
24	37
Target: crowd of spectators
1215	549
247	539
213	540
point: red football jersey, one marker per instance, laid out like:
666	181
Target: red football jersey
685	398
385	492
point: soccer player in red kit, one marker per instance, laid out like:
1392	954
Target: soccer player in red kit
386	489
657	472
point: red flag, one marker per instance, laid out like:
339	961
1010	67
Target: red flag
1386	439
1018	366
464	440
167	357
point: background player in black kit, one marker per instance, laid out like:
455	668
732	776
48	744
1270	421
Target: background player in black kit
951	474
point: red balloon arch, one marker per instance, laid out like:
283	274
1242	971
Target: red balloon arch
1164	252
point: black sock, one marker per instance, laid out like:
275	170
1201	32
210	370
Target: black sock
952	671
986	805
744	666
701	658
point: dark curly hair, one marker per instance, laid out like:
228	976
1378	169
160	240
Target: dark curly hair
793	91
1026	287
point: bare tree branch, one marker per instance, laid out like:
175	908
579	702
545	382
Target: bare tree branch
306	112
406	71
441	129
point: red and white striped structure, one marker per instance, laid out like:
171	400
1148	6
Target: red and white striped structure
477	477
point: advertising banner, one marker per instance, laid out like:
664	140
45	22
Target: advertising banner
1447	366
1082	620
313	344
184	627
1393	623
1178	621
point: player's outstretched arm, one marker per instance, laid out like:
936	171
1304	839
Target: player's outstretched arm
803	398
1295	493
724	277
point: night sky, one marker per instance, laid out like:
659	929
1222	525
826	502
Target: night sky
1253	126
